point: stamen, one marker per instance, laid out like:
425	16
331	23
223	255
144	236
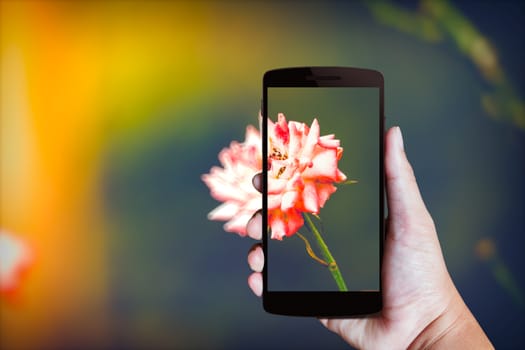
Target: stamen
281	171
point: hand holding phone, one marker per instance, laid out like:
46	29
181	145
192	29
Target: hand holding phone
421	305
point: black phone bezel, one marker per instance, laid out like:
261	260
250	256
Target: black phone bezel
307	303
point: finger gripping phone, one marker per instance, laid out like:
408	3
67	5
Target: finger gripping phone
323	214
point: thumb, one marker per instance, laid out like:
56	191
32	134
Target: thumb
405	205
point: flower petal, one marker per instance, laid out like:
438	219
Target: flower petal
311	141
324	165
238	223
310	199
276	185
328	141
324	191
277	226
284	223
274	201
281	129
294	222
289	199
224	211
294	146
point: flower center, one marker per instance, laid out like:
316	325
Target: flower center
281	171
277	155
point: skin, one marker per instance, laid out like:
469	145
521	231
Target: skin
421	306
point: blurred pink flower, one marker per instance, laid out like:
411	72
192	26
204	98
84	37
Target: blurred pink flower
301	174
15	257
232	184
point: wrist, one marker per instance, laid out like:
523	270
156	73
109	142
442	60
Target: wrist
455	327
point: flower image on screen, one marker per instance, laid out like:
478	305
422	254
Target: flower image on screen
323	189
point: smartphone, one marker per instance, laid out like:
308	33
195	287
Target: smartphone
323	199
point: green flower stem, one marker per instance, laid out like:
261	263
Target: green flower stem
332	265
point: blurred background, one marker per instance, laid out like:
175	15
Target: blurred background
111	111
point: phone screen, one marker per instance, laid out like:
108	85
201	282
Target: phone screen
349	214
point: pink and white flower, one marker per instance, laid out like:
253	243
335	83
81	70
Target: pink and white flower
302	170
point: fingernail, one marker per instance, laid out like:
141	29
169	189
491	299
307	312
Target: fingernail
400	138
257	182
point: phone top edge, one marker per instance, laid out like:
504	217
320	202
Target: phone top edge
322	76
319	68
